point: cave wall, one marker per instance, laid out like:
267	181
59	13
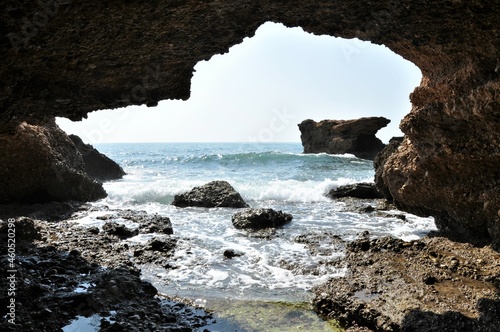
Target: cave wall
70	57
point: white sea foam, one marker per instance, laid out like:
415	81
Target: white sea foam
284	180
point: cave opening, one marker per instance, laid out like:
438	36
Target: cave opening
262	88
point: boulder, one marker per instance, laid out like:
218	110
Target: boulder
39	164
97	165
212	194
356	137
356	190
260	218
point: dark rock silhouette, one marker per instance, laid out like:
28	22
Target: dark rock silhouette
39	164
212	194
357	190
97	165
260	218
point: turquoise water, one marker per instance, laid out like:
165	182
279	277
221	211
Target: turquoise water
276	171
274	175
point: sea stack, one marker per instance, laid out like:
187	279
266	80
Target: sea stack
356	137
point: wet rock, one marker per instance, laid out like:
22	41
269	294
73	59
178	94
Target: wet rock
97	165
357	190
63	276
393	285
156	224
366	209
446	167
212	194
231	253
356	137
119	230
163	244
93	230
260	218
148	223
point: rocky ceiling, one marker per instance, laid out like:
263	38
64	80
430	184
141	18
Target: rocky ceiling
70	57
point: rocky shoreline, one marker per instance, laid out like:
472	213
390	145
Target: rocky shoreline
67	271
67	274
432	284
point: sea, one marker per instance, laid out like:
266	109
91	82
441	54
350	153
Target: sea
279	269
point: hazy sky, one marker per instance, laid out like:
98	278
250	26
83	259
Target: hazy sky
264	87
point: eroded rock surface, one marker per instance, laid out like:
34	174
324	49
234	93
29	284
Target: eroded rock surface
38	163
428	285
255	219
64	271
212	194
356	137
68	58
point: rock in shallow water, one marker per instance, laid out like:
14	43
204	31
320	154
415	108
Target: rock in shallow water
260	218
212	194
357	190
119	230
431	284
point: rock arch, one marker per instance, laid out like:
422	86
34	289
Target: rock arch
69	57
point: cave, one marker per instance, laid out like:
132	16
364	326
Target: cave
69	58
272	81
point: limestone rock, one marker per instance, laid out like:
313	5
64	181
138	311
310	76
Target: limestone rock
357	190
260	218
379	161
447	165
212	194
97	165
356	137
392	282
40	164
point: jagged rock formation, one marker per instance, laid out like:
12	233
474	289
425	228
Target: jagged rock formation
210	195
356	190
97	165
379	162
260	218
343	136
40	164
427	285
67	58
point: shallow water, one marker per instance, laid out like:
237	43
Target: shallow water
279	176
